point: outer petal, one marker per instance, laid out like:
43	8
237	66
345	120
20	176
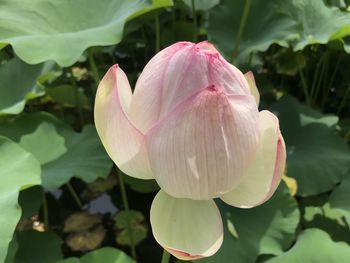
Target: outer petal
202	149
266	170
175	74
148	91
252	86
186	228
124	143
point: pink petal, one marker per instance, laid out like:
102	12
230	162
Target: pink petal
175	74
124	143
145	106
202	148
188	229
265	172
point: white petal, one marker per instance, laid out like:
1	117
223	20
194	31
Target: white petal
188	229
202	149
124	143
266	171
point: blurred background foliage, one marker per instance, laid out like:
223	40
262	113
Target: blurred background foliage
60	196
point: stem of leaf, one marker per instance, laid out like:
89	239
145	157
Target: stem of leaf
78	102
343	102
347	135
194	16
173	21
319	74
330	84
304	85
74	195
126	207
242	24
93	68
45	212
316	77
165	257
322	80
157	30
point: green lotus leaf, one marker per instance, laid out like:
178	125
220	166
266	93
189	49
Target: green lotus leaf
314	245
40	30
295	23
317	157
266	229
19	170
105	255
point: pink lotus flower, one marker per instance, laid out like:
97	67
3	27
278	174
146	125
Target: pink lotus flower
193	125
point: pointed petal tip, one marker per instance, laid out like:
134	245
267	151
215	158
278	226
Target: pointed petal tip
112	123
207	46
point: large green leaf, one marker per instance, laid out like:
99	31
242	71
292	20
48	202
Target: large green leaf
28	123
294	23
314	245
36	247
317	157
41	30
19	170
105	255
85	156
266	229
44	143
340	197
17	82
327	219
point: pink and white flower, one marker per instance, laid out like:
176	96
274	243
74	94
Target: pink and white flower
193	125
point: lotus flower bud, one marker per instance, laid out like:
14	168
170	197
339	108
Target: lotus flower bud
193	125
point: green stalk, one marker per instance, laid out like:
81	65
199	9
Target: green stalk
78	102
165	257
316	77
94	70
320	80
343	101
347	135
242	24
326	91
75	196
173	21
45	212
194	16
304	85
126	207
157	30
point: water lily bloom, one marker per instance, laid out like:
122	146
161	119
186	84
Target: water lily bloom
193	125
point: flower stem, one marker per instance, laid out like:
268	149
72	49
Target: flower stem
241	27
75	195
194	17
165	257
126	207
